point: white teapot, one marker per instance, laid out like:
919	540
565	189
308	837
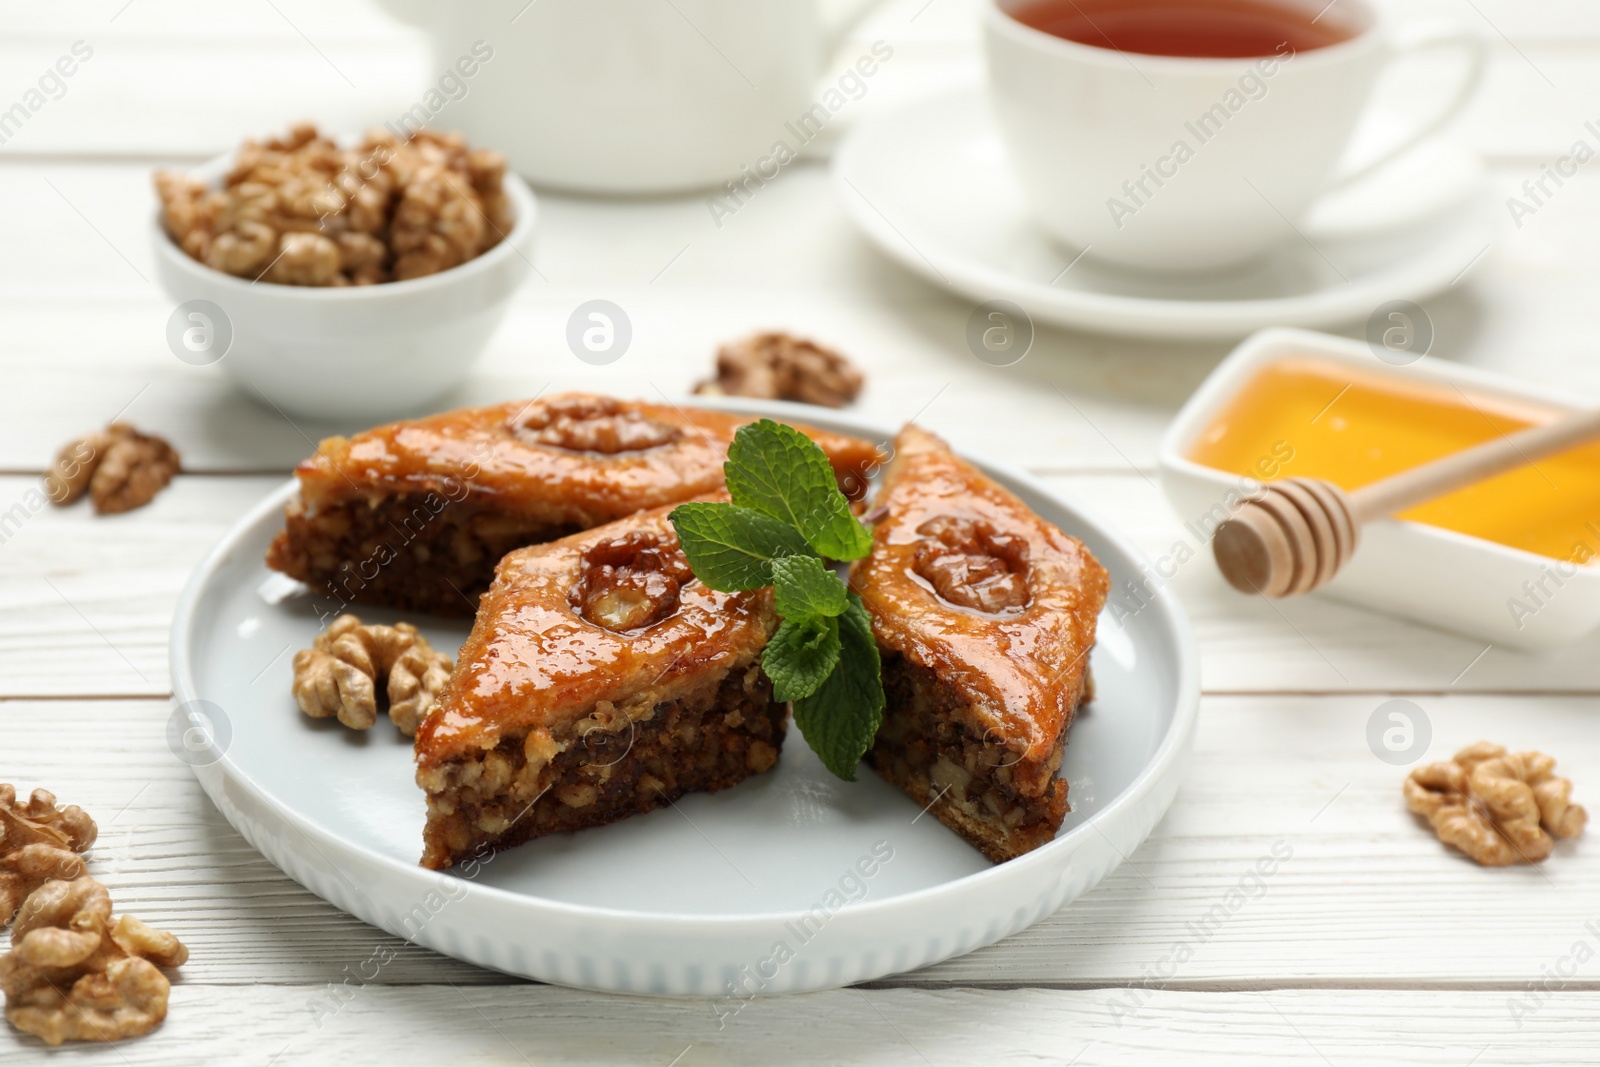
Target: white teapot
628	96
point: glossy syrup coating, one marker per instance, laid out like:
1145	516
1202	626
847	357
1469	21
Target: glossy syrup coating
1022	666
573	460
535	663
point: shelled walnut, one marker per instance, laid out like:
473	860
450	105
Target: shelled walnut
300	210
971	564
339	675
1498	807
38	841
74	974
630	582
119	467
592	424
779	366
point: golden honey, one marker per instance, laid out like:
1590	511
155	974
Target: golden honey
1352	426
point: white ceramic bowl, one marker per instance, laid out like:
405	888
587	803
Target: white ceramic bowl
1432	575
372	352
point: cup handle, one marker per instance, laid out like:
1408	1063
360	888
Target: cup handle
1411	41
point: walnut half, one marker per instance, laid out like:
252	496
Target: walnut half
119	467
779	366
75	975
592	424
38	841
971	564
1498	807
630	582
340	673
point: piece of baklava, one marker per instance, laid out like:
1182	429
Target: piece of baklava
600	680
415	515
984	614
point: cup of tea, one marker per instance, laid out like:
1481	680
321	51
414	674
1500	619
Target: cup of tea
1185	135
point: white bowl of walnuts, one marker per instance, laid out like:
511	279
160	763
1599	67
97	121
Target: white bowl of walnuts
355	282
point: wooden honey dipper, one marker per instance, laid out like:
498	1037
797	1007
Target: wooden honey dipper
1295	534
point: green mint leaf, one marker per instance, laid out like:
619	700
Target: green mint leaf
842	717
787	506
805	585
801	655
732	548
777	470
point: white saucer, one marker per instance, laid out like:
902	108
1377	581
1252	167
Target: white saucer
930	185
851	878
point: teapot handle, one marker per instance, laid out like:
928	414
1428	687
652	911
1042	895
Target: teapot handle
838	20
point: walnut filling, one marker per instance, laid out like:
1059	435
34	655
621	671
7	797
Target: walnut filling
630	581
973	781
593	424
617	761
972	565
416	552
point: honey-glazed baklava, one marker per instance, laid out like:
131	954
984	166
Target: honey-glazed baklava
416	514
600	680
984	615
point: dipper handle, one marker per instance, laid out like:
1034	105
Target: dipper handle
1297	533
1472	465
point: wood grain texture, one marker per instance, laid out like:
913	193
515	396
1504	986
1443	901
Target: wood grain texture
1077	402
1357	900
686	284
86	602
429	1025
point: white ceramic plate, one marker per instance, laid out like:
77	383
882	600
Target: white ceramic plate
691	899
929	184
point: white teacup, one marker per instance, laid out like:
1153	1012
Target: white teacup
622	96
1179	163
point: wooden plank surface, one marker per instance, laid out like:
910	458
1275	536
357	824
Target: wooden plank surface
428	1025
86	602
1077	402
1359	902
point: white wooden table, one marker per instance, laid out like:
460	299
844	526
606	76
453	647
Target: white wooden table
1371	944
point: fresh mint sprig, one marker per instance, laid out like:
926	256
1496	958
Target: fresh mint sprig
787	519
780	471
